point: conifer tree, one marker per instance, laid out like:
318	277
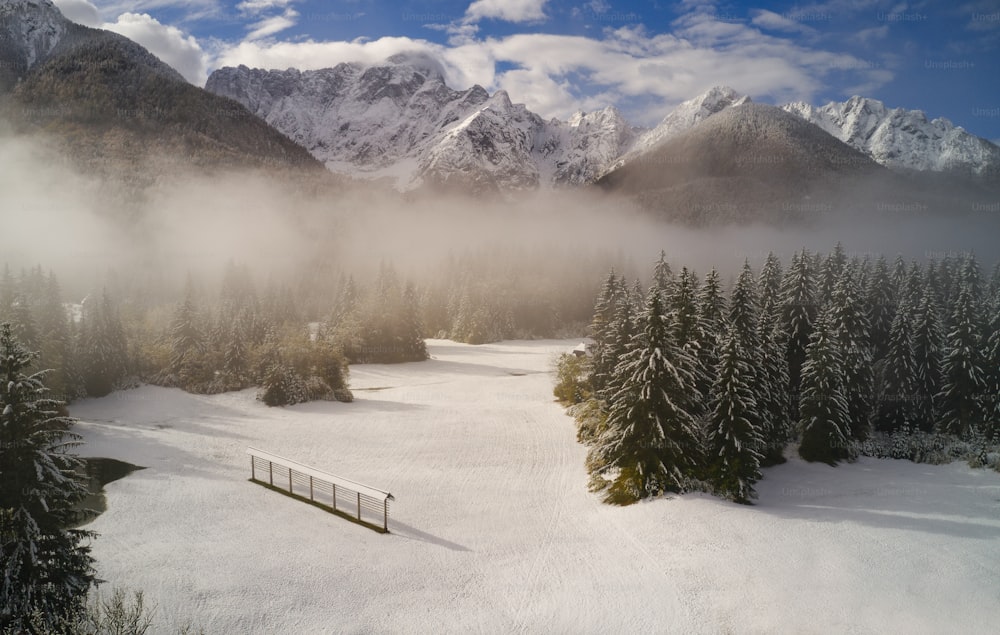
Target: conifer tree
991	397
712	308
602	331
45	567
735	438
769	285
186	343
963	377
663	277
56	342
823	415
651	440
744	309
798	312
928	356
849	319
772	390
830	272
625	329
411	332
898	277
896	409
104	356
881	307
689	332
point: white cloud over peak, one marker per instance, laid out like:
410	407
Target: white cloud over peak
166	42
507	10
557	75
80	11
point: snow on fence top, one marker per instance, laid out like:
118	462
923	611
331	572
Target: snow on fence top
322	487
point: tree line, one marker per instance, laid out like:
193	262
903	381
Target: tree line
294	336
691	387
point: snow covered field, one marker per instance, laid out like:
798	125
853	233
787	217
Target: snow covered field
493	529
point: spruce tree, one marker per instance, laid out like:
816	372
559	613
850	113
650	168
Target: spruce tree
689	332
897	398
898	277
45	567
772	390
849	319
769	284
663	277
602	331
684	307
625	329
650	445
56	342
712	308
798	312
991	403
881	302
104	358
735	439
824	419
928	356
411	339
830	272
744	309
187	344
963	377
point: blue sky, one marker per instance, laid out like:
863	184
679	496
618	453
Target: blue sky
559	56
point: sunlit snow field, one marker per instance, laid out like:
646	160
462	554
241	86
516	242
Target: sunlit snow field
493	529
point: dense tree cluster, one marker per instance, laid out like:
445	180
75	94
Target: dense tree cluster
689	387
292	339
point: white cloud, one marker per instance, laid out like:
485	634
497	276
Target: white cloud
772	21
868	36
80	11
194	10
272	25
258	6
507	10
556	75
166	42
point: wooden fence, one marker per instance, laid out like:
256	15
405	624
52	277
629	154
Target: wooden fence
343	497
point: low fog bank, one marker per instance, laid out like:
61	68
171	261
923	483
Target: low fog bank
63	221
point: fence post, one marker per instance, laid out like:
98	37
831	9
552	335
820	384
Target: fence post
385	514
290	480
359	505
270	473
253	474
334	497
310	488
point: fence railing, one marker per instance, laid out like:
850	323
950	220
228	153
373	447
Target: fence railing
346	498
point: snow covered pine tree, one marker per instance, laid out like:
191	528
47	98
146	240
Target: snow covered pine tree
45	567
651	440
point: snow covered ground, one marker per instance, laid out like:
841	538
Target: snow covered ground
493	529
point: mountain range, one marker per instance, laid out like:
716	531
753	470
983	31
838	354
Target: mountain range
119	111
399	119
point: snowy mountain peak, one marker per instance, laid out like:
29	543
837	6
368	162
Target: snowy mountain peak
31	28
903	139
419	62
685	116
400	120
